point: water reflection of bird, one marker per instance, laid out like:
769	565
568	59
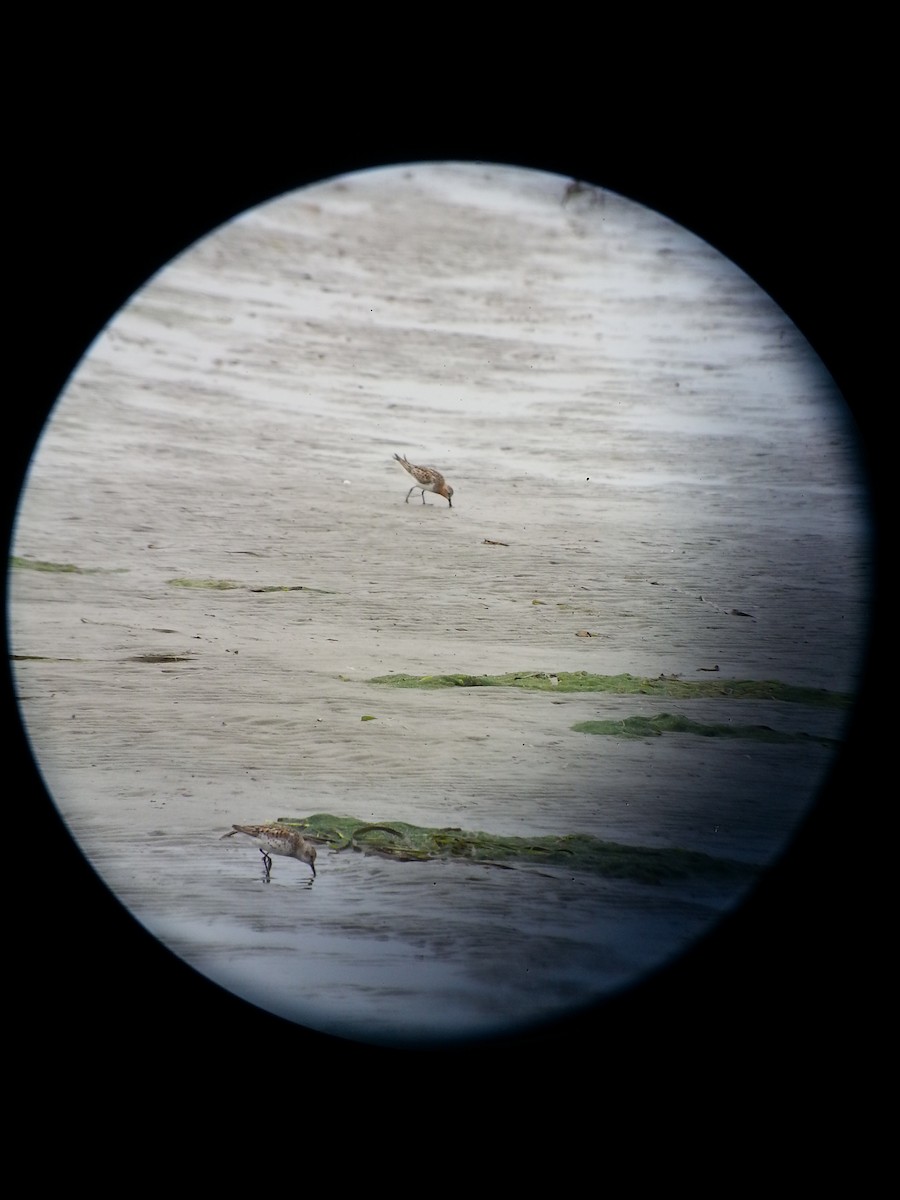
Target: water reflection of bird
277	839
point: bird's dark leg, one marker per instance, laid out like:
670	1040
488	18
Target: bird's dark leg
423	495
409	493
267	862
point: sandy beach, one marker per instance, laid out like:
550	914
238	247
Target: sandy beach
653	476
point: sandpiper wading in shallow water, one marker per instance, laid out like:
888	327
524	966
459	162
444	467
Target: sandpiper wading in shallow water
427	479
277	839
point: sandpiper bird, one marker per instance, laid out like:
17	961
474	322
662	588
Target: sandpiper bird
427	480
277	839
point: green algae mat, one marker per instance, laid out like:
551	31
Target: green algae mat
627	685
641	727
577	851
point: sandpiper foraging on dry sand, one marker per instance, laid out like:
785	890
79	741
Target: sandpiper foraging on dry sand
427	479
277	839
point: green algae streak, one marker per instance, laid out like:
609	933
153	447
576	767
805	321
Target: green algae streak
221	585
640	727
224	585
627	685
576	852
35	564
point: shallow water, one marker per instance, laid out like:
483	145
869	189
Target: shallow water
386	951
